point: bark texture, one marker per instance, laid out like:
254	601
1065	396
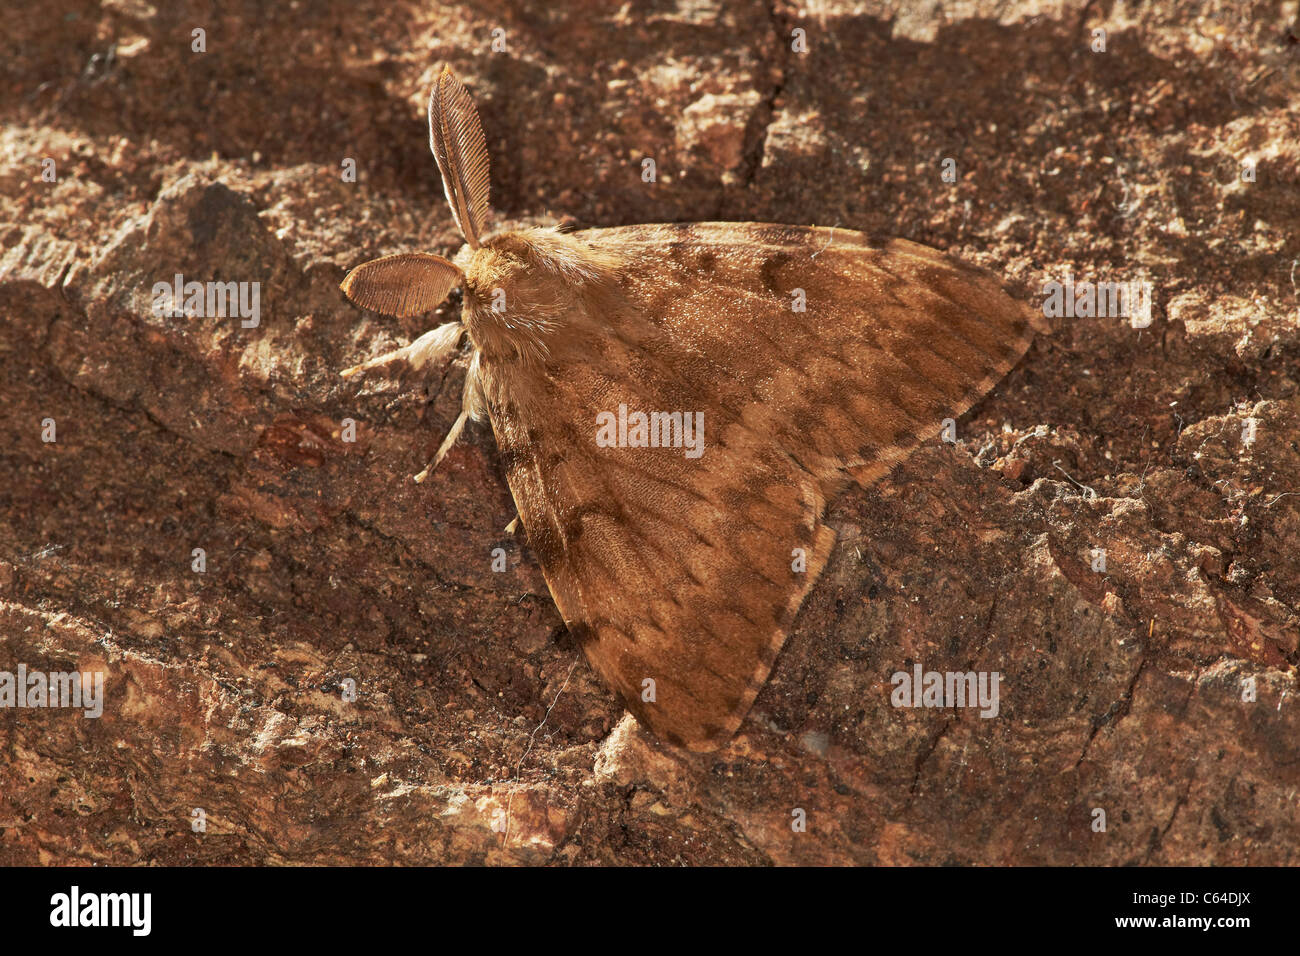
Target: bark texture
1174	448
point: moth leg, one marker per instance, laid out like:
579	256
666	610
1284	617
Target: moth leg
452	437
432	346
513	526
470	403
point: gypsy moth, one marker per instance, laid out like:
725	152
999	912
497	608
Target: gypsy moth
805	358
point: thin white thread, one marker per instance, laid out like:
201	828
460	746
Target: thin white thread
829	240
529	749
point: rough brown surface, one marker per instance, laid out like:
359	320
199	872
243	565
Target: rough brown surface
1122	691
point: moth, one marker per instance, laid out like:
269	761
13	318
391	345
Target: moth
794	360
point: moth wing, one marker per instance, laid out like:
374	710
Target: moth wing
847	351
679	576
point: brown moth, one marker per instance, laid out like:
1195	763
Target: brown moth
729	417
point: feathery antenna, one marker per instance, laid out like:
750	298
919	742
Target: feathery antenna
456	138
401	285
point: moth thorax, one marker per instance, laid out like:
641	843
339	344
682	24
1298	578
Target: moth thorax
514	304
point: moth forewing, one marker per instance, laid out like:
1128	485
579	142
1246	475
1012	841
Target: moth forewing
675	573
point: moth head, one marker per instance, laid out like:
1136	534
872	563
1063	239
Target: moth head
412	283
